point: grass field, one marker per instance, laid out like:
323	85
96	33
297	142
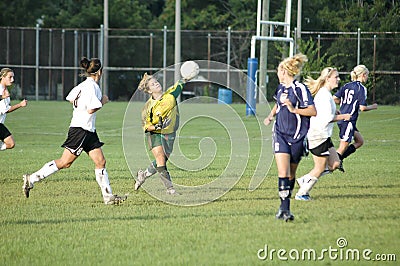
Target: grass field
64	222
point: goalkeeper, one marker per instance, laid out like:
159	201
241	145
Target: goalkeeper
160	120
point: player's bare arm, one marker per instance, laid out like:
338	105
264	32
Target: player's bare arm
308	111
336	99
104	100
271	115
339	117
364	108
23	103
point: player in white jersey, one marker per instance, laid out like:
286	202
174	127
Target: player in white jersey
6	81
86	99
320	131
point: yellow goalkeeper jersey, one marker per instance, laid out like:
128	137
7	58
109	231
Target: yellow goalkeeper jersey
166	106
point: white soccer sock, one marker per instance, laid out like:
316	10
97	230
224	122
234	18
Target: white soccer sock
309	182
3	146
104	183
47	169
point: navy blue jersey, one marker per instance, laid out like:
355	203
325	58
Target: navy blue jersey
293	126
352	95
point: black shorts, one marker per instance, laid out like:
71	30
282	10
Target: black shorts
4	132
323	148
79	139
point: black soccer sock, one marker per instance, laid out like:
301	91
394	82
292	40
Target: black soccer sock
351	149
340	156
165	177
284	193
292	182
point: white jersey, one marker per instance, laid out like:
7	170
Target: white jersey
321	125
4	105
87	95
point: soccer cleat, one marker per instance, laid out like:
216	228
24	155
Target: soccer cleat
172	191
116	200
284	215
340	168
27	186
287	216
326	172
140	179
305	197
278	215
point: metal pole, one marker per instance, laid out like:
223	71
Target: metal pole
373	72
295	40
263	53
76	56
8	46
151	53
177	42
299	10
105	51
101	43
101	49
287	21
258	17
165	57
208	56
88	54
63	62
358	45
228	59
37	64
177	39
22	62
49	61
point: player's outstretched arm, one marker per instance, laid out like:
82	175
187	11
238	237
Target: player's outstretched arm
23	103
364	108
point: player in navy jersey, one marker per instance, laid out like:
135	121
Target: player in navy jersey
352	98
86	99
293	108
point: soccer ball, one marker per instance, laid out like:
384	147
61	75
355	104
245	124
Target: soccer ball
189	70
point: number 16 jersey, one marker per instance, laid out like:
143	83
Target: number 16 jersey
352	95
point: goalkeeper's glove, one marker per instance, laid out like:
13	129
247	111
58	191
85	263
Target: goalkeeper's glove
162	124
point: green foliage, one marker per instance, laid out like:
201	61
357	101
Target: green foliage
211	15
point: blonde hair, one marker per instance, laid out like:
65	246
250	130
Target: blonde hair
294	64
358	71
143	84
316	84
4	72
